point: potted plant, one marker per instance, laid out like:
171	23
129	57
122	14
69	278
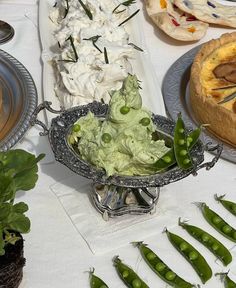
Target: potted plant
18	171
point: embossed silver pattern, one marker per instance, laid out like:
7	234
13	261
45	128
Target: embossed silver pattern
175	93
64	153
16	76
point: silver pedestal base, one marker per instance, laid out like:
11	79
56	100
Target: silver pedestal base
113	201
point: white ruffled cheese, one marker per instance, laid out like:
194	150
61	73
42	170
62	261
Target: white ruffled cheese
89	77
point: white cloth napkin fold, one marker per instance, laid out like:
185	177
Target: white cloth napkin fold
174	202
73	194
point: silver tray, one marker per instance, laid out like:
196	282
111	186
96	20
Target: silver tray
176	97
19	100
117	195
64	153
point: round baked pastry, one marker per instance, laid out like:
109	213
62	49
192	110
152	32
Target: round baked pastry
213	87
174	22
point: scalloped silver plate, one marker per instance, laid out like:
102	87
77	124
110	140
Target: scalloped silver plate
176	97
64	153
19	100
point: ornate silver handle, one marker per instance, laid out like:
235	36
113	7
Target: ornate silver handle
208	165
34	121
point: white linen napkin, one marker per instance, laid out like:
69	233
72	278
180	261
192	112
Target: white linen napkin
176	200
73	194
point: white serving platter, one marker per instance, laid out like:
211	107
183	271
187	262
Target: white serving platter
142	67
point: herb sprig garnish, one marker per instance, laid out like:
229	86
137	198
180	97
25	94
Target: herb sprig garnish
127	19
224	87
106	56
126	3
86	9
94	39
73	47
227	98
74	51
67	8
135	47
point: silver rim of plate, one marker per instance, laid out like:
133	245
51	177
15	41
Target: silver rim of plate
175	92
19	96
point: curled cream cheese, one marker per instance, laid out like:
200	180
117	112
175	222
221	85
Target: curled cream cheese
90	77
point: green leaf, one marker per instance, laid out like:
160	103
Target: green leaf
7	188
5	210
18	160
26	179
21	166
18	222
20	207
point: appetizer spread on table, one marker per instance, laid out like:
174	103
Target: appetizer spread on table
187	20
213	87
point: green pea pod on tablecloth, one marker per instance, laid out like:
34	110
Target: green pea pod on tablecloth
129	277
160	268
218	222
229	205
210	242
191	254
95	281
227	281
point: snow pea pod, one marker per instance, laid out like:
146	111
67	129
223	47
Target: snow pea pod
169	159
229	205
129	277
229	283
160	268
181	149
197	261
96	282
218	222
166	161
210	242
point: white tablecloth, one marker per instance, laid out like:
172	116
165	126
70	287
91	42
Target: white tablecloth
57	255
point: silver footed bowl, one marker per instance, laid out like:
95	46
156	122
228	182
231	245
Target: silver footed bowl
65	154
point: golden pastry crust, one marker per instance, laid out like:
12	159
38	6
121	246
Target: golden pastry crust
0	99
174	22
222	119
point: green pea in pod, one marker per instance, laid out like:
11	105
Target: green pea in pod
96	282
181	149
191	254
169	159
160	268
227	281
210	242
229	205
218	222
129	277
